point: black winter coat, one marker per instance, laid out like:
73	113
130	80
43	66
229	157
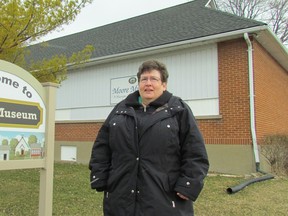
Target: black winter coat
141	158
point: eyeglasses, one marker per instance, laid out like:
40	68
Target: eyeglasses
152	79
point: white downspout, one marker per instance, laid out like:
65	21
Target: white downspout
252	109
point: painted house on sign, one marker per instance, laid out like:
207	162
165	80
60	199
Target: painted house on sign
4	152
36	150
30	150
231	71
22	148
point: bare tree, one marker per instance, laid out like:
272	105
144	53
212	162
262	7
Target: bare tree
275	149
278	19
273	12
251	9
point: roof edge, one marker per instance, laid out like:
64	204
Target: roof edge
211	4
268	39
177	45
263	35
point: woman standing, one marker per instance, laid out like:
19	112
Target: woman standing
149	157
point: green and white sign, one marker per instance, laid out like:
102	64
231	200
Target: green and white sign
22	117
27	128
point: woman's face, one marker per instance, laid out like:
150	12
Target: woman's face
150	86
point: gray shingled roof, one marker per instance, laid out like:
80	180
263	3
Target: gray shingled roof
186	21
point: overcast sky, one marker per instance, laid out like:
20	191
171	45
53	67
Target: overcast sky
102	12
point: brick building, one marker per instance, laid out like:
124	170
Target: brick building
232	71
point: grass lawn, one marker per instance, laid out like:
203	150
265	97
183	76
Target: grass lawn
19	193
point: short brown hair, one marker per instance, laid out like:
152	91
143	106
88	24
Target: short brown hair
154	65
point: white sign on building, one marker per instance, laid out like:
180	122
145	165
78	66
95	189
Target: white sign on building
121	87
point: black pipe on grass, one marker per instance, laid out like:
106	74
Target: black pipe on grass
241	186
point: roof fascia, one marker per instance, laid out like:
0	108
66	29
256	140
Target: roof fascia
261	33
274	46
211	4
175	46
